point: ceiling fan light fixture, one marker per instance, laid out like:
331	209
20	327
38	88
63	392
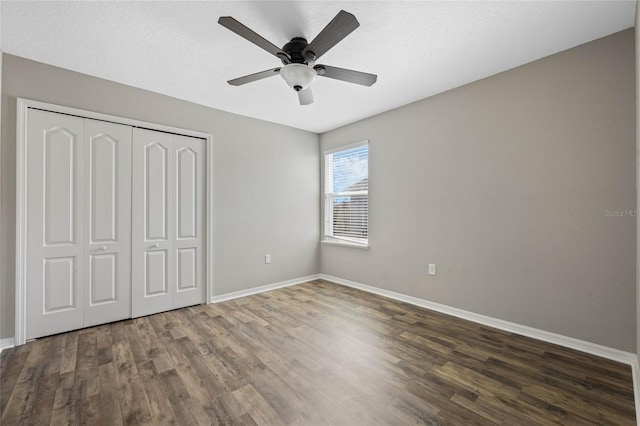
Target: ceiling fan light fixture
298	76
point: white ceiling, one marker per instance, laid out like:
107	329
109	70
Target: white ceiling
417	48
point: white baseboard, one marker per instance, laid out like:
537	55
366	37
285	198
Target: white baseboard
6	343
635	371
263	288
546	336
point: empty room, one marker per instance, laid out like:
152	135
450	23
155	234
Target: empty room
319	212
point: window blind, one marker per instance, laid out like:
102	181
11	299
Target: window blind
347	193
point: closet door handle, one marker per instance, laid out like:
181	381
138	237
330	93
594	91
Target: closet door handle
154	246
101	248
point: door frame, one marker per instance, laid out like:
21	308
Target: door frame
23	106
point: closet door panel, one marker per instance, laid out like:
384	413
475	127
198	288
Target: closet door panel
152	219
104	164
103	280
156	189
188	285
54	224
59	166
59	284
107	220
187	269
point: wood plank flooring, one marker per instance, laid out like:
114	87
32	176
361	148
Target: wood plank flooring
312	354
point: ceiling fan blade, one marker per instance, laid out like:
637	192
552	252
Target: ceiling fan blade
341	26
247	33
254	77
305	96
350	76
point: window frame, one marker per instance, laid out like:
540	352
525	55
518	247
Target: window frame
327	220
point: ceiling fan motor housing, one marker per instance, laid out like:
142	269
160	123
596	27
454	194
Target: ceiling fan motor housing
294	50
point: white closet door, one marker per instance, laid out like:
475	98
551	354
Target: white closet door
189	221
54	267
152	221
107	222
168	222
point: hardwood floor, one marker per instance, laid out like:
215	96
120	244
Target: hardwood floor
316	353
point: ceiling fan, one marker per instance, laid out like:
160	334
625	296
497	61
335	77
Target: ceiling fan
298	57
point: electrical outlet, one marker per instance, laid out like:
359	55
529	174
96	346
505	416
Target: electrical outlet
267	258
432	269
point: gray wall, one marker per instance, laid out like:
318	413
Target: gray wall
504	184
266	186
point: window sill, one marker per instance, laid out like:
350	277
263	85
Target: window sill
345	244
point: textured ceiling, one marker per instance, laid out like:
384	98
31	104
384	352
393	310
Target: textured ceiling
417	49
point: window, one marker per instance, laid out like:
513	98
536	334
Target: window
346	194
